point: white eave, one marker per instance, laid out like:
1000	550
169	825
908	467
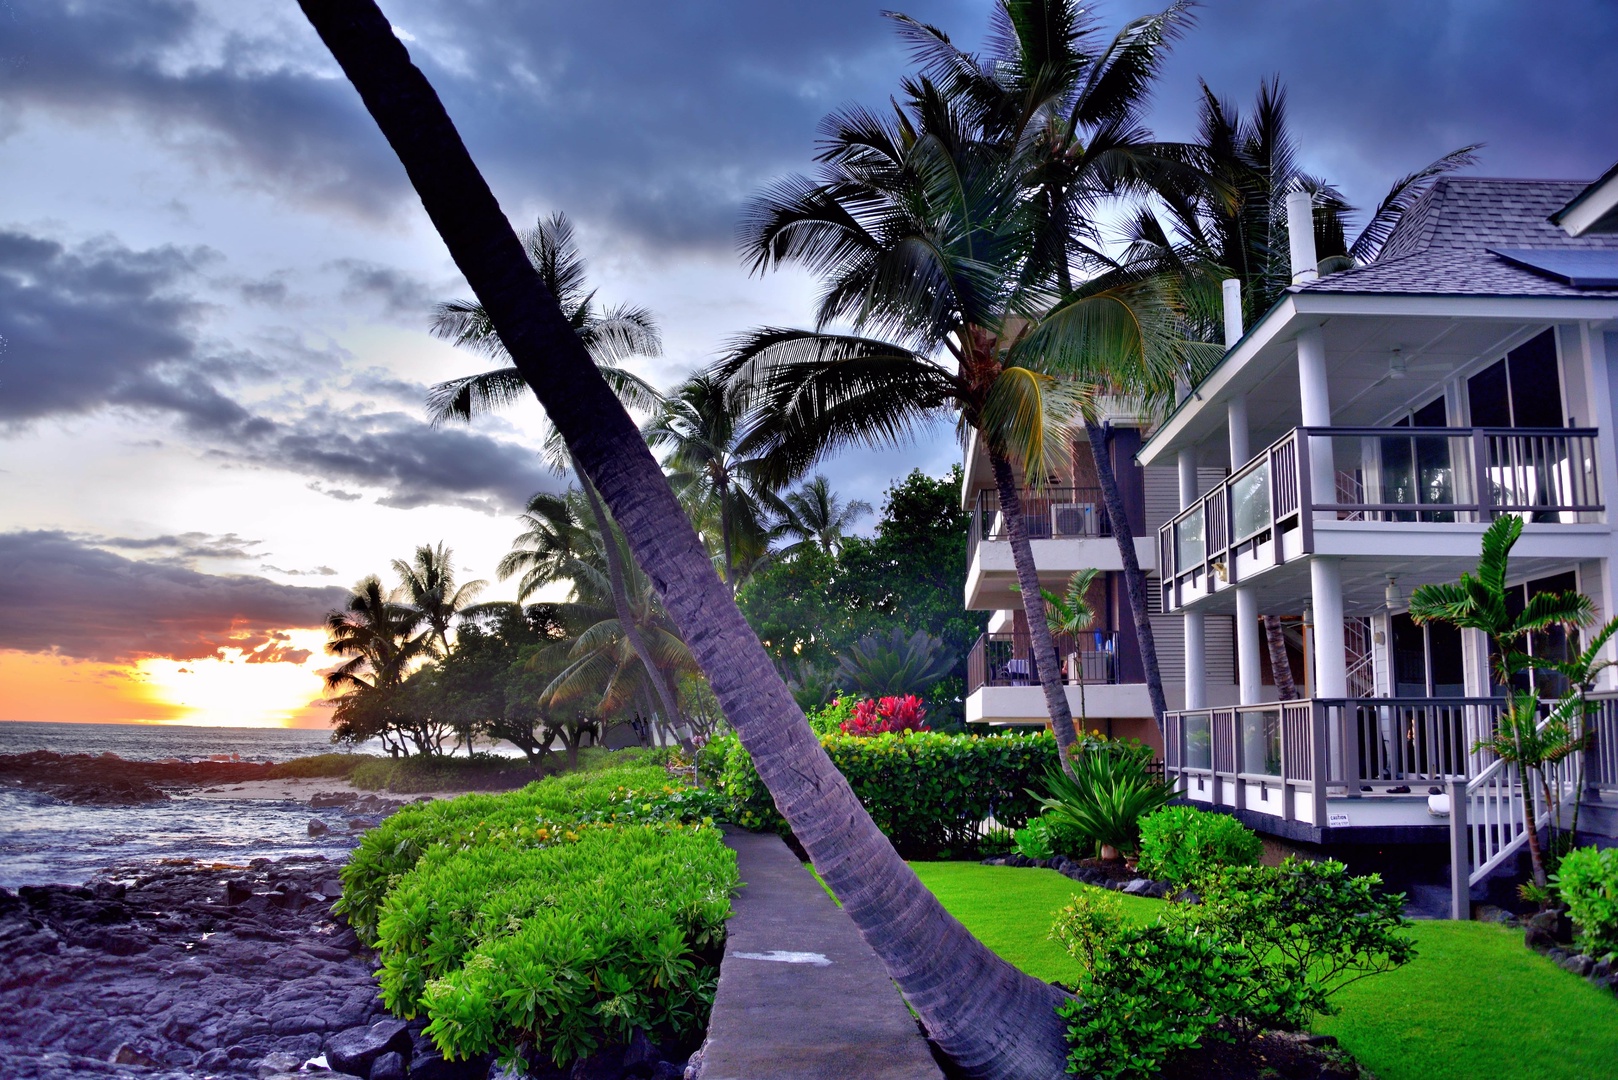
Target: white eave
1596	207
1251	360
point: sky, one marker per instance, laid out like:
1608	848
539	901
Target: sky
215	282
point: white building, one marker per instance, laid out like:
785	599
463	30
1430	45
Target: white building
1351	445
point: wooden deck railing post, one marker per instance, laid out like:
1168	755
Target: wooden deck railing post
1460	851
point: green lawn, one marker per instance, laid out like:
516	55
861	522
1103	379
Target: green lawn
1475	1002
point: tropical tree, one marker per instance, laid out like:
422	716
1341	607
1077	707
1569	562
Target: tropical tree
1071	614
606	666
930	237
815	515
428	582
380	640
990	1018
1228	220
702	425
1480	601
609	335
1052	90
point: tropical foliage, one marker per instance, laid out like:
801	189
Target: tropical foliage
1105	794
1480	601
1587	882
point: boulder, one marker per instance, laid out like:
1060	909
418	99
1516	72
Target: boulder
324	799
640	1056
1138	887
390	1066
238	891
605	1064
318	827
1578	964
278	1063
130	1055
354	1050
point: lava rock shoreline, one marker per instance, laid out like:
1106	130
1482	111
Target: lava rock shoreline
109	780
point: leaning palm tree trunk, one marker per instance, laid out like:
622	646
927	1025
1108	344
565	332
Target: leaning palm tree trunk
1134	577
992	1019
1046	663
620	603
1280	665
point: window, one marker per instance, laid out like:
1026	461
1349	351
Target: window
1551	644
1427	660
1417	469
1523	390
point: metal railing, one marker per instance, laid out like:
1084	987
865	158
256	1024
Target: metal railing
1438	475
1007	659
1048	513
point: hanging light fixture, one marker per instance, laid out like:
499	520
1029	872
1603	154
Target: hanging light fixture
1393	597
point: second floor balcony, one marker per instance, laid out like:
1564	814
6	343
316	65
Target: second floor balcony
1410	486
1007	659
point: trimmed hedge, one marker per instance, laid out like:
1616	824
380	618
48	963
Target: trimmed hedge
930	793
1180	844
557	949
393	848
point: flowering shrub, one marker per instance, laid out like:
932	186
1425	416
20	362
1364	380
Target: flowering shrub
885	716
831	719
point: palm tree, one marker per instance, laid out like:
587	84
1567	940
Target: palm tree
610	336
1049	90
815	515
1071	614
1479	602
559	547
703	424
428	580
924	230
991	1019
379	639
1228	220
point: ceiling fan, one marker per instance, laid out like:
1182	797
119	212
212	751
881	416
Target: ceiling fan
1399	367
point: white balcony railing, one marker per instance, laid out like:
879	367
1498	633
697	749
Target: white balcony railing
1434	475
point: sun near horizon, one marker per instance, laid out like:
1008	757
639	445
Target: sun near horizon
232	688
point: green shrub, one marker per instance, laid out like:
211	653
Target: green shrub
320	765
559	948
1179	844
1311	927
392	849
414	775
829	719
1034	840
1156	991
1588	883
1089	925
1110	791
930	793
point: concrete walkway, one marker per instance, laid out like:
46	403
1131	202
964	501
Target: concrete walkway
801	996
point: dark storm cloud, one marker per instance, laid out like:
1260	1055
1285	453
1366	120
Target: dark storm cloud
401	295
654	123
264	107
184	546
1378	88
97	324
414	463
69	596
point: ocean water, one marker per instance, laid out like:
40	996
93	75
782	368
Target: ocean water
44	841
155	742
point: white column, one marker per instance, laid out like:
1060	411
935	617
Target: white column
1236	423
1316	400
1247	665
1602	410
1231	292
1301	236
1196	642
1326	598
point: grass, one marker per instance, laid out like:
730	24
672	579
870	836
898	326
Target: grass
322	765
1474	1002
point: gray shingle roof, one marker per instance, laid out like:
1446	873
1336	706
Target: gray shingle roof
1439	247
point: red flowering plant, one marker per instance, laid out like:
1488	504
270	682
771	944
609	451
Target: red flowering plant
878	716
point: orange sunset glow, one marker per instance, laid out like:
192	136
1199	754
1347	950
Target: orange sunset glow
226	690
